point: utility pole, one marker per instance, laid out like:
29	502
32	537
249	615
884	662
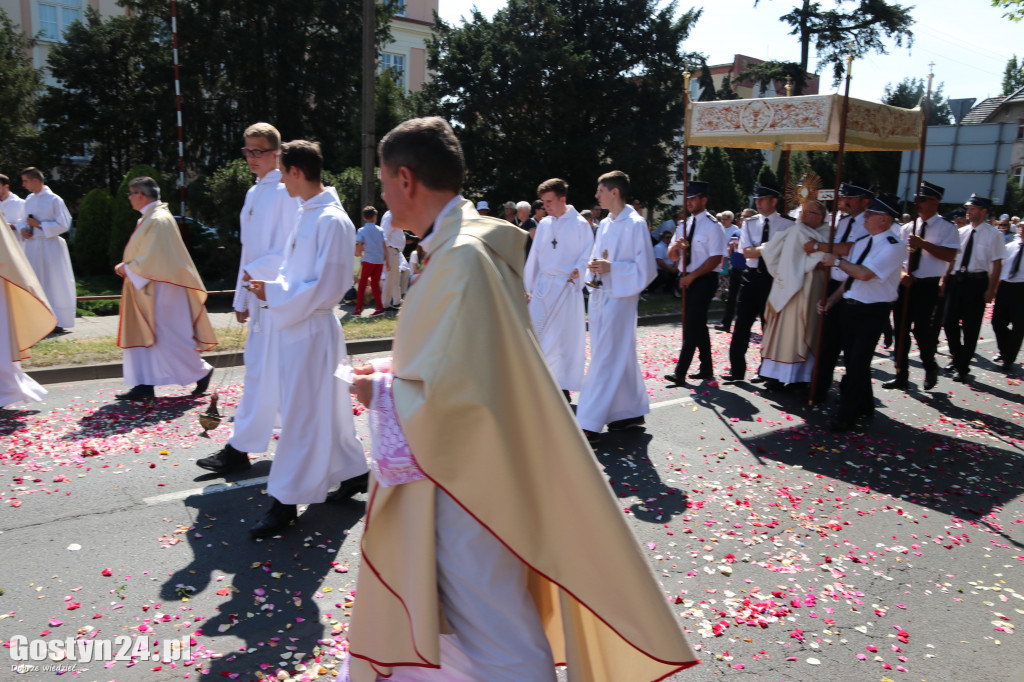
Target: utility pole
369	98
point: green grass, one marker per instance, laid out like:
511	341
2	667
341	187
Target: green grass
62	351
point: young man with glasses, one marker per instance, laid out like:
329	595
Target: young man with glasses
318	445
268	216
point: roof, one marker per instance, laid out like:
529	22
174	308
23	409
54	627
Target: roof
988	107
1017	96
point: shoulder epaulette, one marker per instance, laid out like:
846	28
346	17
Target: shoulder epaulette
711	215
892	240
788	217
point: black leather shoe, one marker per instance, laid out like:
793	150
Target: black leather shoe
592	437
275	521
348	488
227	461
675	379
931	377
899	383
136	393
623	424
773	384
759	379
732	377
203	384
1010	369
702	375
722	327
837	426
962	378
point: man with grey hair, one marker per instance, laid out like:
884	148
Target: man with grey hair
164	324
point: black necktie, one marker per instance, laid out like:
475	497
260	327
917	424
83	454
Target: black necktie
764	239
860	259
915	255
689	243
846	234
1016	261
965	262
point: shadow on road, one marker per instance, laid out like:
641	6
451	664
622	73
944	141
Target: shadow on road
11	419
272	584
624	457
122	417
962	478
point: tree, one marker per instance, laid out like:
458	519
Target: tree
862	28
294	63
715	168
775	71
537	92
766	176
92	234
1013	76
18	88
113	102
1014	8
910	93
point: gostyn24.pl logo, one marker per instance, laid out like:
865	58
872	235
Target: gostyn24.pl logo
23	650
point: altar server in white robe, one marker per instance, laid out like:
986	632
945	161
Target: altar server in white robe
25	319
163	324
622	260
318	445
46	218
12	208
267	219
394	242
561	249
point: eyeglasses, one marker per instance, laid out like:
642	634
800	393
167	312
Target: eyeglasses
255	153
133	193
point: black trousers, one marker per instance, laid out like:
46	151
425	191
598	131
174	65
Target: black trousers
735	279
1008	320
923	295
664	281
831	345
753	297
695	326
862	325
965	309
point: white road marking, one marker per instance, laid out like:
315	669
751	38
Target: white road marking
208	490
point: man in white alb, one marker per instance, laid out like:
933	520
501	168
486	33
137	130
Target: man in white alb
46	218
12	207
318	445
268	217
554	286
621	266
394	242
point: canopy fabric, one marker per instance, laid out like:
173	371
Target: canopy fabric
805	122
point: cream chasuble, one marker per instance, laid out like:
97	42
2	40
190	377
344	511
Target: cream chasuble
487	424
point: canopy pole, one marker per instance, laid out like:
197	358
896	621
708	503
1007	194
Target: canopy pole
905	282
686	182
832	226
785	157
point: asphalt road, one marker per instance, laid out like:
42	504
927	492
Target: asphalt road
788	553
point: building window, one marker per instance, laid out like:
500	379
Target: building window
55	16
399	7
1020	129
1018	175
396	63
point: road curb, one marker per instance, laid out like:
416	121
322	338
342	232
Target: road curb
113	370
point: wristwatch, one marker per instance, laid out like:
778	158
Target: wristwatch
815	246
839	261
